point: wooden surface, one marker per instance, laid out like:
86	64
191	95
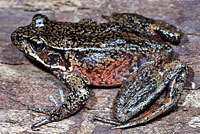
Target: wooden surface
22	83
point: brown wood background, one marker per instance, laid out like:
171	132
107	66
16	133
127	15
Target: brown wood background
22	83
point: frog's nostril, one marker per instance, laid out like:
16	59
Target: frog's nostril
16	37
19	37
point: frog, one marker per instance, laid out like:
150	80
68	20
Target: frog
130	51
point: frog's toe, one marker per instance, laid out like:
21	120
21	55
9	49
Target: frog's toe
42	122
40	110
62	98
53	100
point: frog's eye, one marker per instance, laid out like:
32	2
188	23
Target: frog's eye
37	44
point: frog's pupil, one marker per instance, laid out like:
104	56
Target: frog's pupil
37	45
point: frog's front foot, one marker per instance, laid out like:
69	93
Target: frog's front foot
40	110
45	111
52	99
69	105
62	98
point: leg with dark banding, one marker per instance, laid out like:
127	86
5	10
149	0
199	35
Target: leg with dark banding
132	100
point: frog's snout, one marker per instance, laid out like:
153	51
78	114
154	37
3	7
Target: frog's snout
18	39
15	36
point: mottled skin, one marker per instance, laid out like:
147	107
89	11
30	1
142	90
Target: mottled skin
129	51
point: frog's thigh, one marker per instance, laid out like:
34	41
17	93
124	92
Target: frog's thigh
166	31
167	104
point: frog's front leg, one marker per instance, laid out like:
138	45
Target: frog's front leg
73	102
144	87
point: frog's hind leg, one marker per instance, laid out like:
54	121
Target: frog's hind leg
171	99
142	89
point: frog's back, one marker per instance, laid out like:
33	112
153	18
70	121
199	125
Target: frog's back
88	33
106	53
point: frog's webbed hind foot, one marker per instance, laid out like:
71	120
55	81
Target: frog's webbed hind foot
109	121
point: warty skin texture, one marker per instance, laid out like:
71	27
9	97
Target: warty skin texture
129	50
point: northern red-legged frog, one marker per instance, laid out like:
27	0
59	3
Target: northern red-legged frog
130	51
